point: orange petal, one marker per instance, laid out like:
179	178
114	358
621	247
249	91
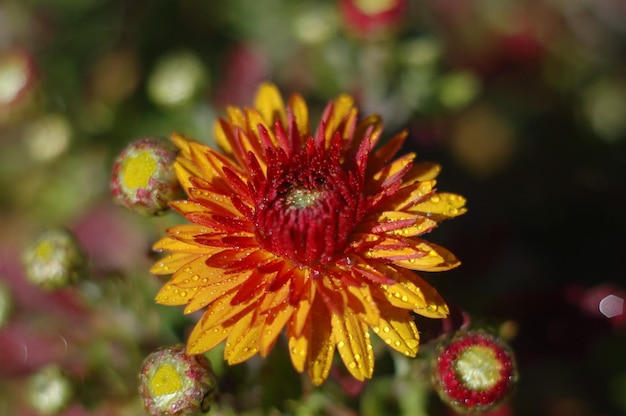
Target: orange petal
353	344
270	104
398	330
441	206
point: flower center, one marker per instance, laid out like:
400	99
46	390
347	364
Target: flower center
479	368
307	208
166	381
299	198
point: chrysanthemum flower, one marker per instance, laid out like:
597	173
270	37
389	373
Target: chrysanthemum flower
316	233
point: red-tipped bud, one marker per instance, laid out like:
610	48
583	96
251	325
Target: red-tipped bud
173	383
143	178
373	19
474	371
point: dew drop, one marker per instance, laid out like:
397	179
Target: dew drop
435	199
186	270
204	280
404	298
386	330
357	357
195	277
183	294
376	330
352	365
340	344
397	343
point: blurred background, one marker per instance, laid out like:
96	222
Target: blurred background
522	102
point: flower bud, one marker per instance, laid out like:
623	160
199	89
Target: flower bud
173	383
17	83
473	371
176	80
373	19
54	260
49	390
6	303
143	178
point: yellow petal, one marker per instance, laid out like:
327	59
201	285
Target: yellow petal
435	258
398	330
172	262
303	309
353	344
243	340
321	344
270	104
225	130
421	172
409	195
298	351
274	324
360	301
204	338
413	292
171	295
221	309
441	206
343	110
177	246
206	295
393	171
301	114
214	202
397	223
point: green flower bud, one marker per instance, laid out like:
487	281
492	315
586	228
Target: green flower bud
49	390
55	260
